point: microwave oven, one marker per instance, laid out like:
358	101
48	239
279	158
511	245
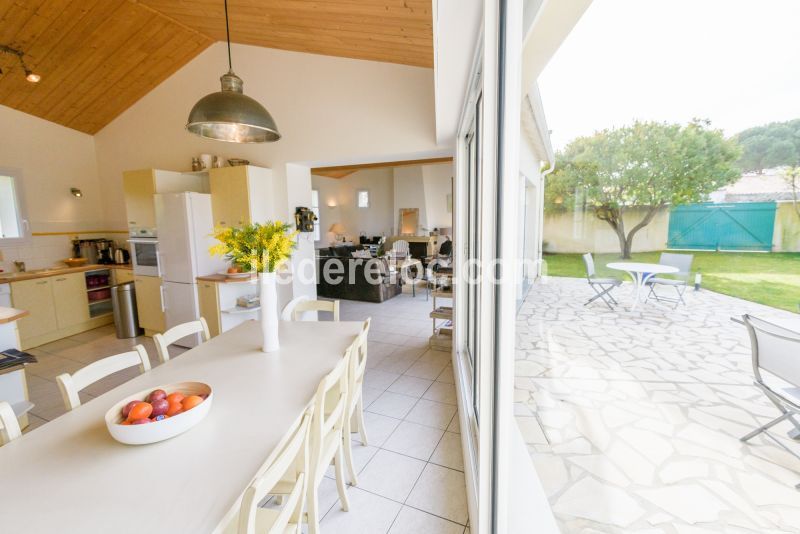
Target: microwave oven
144	256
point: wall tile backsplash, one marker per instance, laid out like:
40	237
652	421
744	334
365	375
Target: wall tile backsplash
47	250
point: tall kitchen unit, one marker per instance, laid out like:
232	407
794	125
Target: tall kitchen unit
185	225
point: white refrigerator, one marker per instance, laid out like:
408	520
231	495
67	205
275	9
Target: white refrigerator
185	225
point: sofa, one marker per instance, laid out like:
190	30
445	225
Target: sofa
366	280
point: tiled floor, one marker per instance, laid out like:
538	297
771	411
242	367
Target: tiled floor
633	418
411	478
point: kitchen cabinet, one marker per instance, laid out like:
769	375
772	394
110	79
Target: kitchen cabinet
149	303
35	297
123	276
241	195
209	306
139	187
70	300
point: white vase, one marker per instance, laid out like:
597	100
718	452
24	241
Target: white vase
269	312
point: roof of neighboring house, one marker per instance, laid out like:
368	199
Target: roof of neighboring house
753	187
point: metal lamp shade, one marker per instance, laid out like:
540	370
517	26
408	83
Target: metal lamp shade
230	115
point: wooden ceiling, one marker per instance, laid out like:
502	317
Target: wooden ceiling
342	171
98	57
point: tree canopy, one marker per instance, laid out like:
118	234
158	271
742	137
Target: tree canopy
772	145
645	166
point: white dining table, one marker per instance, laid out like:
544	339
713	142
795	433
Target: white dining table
71	476
641	273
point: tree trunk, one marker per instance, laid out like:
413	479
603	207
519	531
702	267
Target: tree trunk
614	219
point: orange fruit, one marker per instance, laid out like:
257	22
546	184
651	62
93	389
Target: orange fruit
140	411
191	401
175	397
174	408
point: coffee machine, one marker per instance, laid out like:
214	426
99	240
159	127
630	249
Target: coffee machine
105	251
94	250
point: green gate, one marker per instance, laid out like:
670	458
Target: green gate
707	226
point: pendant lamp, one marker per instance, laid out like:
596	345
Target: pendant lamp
230	115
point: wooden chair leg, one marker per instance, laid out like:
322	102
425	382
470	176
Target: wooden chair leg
340	485
313	508
347	443
362	428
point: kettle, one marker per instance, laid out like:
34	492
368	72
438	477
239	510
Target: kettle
119	256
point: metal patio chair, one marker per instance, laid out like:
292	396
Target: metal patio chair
601	286
683	262
776	354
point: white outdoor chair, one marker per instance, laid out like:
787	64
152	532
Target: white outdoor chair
315	305
290	471
683	262
776	354
70	385
601	286
327	425
163	341
9	426
355	403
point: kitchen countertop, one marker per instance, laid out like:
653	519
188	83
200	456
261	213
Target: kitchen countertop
5	278
222	279
8	315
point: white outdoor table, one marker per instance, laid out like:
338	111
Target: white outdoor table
641	273
71	476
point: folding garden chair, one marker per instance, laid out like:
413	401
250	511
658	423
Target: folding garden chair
683	262
776	354
601	286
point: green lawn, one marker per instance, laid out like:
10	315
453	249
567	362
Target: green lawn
771	279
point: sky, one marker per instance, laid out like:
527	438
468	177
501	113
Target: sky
735	62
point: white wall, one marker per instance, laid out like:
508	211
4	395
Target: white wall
51	159
341	193
424	187
438	183
329	110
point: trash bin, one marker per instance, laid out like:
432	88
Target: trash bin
123	300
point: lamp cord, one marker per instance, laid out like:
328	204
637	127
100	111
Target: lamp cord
228	33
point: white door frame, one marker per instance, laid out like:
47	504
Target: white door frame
496	78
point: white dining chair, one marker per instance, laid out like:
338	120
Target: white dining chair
308	305
163	341
71	385
327	425
289	470
355	403
9	426
287	313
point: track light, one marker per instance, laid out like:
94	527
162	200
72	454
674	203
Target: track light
32	77
29	75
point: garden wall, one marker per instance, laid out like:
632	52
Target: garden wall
571	232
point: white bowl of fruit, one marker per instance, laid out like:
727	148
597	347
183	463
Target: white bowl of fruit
154	415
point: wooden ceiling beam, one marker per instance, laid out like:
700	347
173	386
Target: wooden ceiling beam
340	171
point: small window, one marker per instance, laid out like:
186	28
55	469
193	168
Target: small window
13	225
363	199
315	209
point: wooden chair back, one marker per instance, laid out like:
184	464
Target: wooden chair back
9	426
330	410
163	341
70	385
358	364
316	305
290	470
